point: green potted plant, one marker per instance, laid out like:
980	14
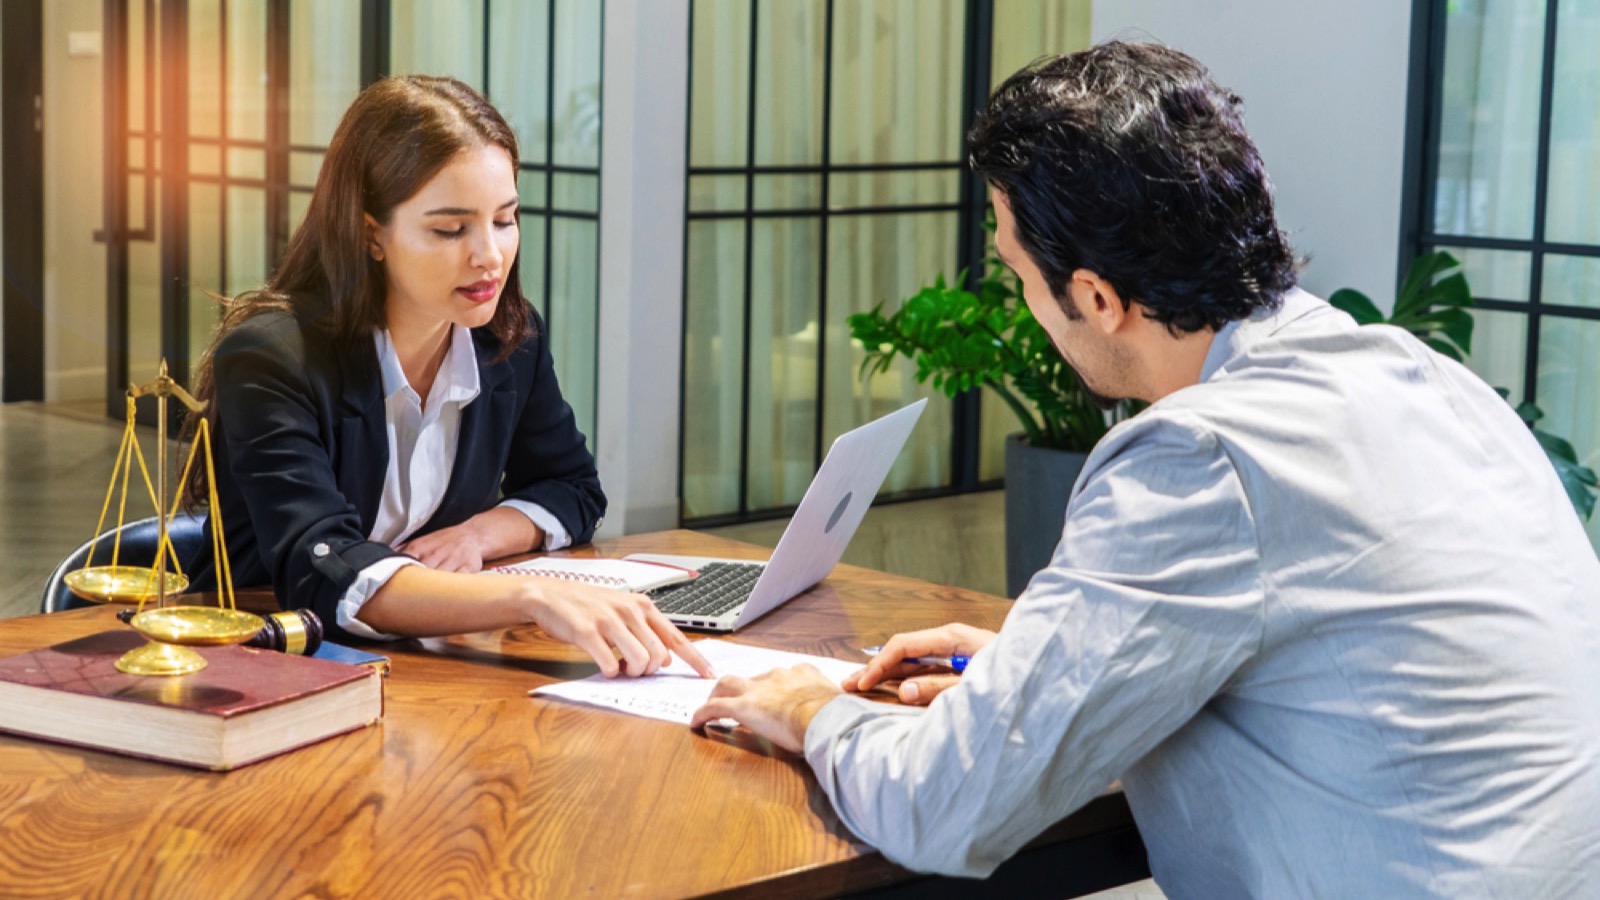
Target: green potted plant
985	337
1434	303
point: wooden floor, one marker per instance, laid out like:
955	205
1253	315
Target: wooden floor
55	463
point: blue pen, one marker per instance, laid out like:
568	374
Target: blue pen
956	664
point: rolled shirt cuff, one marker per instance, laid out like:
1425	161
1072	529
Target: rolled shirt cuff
555	534
368	582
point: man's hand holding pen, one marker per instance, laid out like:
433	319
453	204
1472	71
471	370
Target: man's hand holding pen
926	662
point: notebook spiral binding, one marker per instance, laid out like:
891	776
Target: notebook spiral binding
608	581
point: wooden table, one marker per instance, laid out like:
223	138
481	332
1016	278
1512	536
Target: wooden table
470	788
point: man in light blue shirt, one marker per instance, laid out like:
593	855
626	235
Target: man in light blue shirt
1323	607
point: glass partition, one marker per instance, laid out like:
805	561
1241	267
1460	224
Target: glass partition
1511	185
538	61
825	177
264	85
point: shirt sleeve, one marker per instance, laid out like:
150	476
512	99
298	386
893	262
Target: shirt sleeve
367	583
1150	604
555	534
307	532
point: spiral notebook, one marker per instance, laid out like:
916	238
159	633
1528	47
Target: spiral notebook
620	574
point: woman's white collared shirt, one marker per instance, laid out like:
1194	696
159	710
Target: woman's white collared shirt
423	438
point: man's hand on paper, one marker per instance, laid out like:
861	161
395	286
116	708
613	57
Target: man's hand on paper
778	706
919	687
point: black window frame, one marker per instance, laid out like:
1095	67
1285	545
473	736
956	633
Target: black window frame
971	208
168	44
1425	110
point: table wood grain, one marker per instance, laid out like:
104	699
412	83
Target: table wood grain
471	788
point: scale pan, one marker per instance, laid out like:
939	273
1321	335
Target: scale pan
197	626
121	584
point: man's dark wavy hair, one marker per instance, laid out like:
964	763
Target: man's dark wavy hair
1128	160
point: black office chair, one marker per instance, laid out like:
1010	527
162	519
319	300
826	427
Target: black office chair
138	549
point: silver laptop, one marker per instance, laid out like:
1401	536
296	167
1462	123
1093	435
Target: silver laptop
731	593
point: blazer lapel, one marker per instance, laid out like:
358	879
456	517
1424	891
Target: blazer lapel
486	424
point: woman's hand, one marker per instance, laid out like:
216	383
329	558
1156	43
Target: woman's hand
488	535
607	624
919	688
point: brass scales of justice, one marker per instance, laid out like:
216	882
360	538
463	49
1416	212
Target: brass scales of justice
172	628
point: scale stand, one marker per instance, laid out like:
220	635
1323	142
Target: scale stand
172	629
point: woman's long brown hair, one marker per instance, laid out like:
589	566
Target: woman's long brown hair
396	136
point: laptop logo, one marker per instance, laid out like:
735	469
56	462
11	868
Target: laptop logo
838	511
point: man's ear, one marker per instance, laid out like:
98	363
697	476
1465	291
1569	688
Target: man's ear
370	228
1098	301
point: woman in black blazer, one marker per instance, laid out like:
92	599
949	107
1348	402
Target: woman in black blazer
385	413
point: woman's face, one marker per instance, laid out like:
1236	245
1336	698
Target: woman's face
447	249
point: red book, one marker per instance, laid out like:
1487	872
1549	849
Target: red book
244	706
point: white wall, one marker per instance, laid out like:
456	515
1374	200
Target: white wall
74	265
643	141
1324	88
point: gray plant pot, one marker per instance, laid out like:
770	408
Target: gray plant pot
1038	482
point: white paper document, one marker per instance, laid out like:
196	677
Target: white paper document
675	692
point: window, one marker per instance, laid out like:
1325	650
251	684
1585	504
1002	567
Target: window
1510	182
826	174
264	86
539	62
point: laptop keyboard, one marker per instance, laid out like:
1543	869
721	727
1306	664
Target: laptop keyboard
720	588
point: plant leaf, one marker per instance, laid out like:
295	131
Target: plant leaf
1578	481
1358	305
1444	348
1454	324
1413	295
1452	291
1557	448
